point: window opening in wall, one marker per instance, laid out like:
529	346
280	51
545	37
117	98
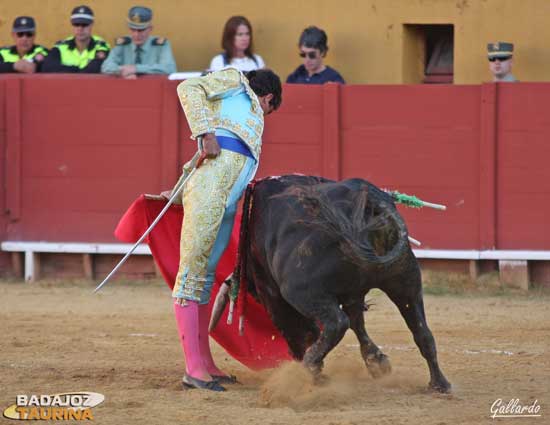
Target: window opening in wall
428	53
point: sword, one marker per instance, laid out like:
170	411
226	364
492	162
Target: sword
175	194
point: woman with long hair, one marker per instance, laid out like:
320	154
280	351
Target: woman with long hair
238	50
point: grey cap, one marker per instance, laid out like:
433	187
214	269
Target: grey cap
140	17
500	49
23	24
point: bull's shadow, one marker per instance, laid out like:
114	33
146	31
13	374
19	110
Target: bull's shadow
312	248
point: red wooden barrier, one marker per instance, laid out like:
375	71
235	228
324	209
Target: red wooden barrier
79	150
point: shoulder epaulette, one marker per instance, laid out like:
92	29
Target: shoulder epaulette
122	41
159	41
42	48
99	40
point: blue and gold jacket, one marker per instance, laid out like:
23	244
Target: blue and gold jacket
223	99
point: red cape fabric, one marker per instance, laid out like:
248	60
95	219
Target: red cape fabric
261	346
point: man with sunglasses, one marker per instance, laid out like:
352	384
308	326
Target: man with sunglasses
24	56
140	53
500	61
81	53
313	48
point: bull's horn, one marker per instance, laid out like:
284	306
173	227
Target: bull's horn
219	306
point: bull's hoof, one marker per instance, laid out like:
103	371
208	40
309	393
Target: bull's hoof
320	379
314	368
378	365
442	386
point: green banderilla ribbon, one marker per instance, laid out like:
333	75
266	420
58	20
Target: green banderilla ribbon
413	201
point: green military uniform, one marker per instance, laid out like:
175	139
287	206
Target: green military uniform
153	57
65	56
9	55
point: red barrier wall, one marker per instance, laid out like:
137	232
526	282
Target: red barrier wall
4	257
75	152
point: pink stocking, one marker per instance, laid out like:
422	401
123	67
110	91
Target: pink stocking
206	354
187	317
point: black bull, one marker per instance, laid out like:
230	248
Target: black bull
312	248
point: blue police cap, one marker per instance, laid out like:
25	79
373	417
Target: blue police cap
140	17
23	24
82	15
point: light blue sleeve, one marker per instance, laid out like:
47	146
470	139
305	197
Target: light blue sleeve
166	63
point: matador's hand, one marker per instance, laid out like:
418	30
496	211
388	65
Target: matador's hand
210	145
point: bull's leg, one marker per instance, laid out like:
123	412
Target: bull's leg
412	310
334	323
377	362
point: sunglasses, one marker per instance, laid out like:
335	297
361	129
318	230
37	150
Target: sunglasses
28	34
310	55
499	59
81	25
138	29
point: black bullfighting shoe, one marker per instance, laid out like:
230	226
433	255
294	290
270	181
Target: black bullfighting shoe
189	383
225	379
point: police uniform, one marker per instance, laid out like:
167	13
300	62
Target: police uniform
65	56
9	54
503	51
153	57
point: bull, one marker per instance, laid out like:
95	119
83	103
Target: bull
310	251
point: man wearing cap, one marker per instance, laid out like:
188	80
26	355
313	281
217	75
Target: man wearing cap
83	52
140	53
24	56
500	61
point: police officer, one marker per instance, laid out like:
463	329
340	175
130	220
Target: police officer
140	53
24	56
83	52
500	61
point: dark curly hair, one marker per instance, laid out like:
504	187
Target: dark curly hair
264	82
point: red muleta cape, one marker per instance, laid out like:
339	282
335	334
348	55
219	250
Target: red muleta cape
261	346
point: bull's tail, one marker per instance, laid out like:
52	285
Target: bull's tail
239	289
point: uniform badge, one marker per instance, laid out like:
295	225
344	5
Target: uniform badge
23	21
496	46
159	41
120	41
81	10
136	19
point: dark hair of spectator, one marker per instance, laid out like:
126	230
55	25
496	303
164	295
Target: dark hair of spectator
314	38
228	37
265	81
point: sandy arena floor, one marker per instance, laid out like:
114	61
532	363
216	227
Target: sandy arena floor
58	337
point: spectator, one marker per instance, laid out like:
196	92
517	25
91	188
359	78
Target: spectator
238	50
83	52
500	61
24	56
313	48
140	53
